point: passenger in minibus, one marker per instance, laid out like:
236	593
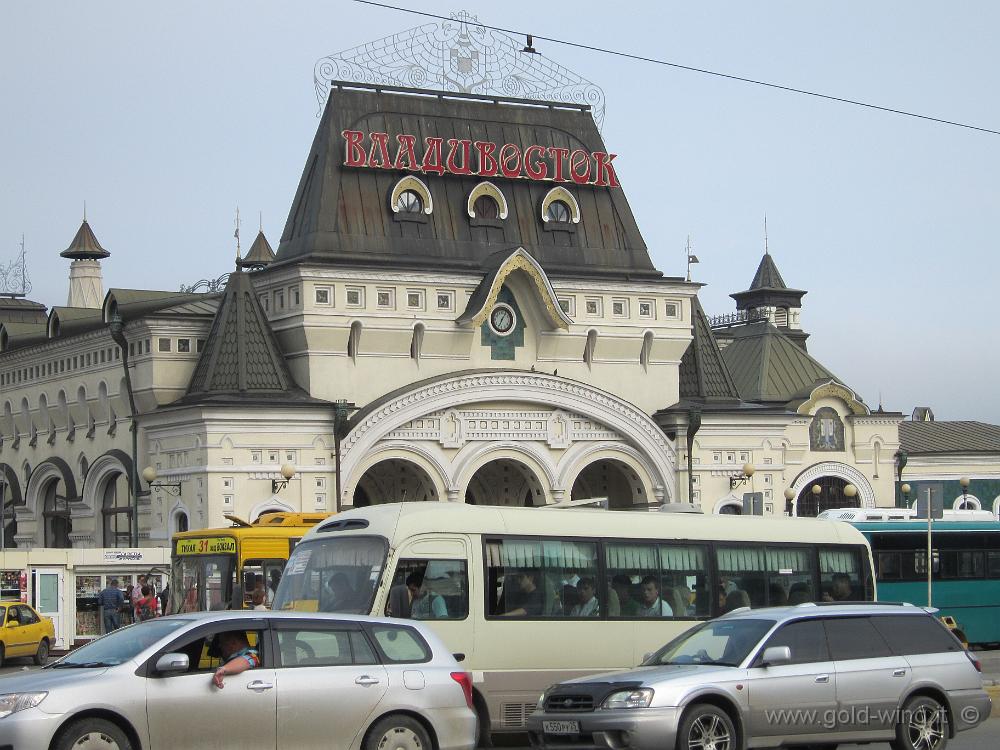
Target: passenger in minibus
529	598
424	604
651	604
587	604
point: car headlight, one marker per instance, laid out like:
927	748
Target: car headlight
639	698
541	701
11	703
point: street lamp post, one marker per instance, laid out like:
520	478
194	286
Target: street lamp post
789	498
964	482
118	334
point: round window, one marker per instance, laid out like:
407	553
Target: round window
409	202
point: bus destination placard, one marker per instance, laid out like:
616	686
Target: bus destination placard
213	545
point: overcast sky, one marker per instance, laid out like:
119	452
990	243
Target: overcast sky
164	119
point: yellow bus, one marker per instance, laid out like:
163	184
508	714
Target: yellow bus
533	596
224	568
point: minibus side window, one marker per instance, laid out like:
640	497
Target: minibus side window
429	589
542	578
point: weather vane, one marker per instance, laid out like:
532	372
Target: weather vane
14	280
462	56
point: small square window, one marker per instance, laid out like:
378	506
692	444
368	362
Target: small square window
323	296
227	500
163	345
293	296
593	306
744	457
445	300
320	502
184	345
673	310
320	483
647	309
767	479
385	298
730	458
414	299
355	297
568	305
255	457
272	457
320	462
290	456
619	308
227	483
227	461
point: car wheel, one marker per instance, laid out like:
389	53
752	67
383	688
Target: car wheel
93	734
398	732
706	727
923	725
42	654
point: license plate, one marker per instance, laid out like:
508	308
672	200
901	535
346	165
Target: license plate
561	727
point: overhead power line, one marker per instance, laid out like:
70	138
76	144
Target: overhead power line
689	68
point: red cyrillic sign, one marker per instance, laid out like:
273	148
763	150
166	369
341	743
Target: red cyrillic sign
463	156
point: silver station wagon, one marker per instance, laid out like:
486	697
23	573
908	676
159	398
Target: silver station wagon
317	681
805	675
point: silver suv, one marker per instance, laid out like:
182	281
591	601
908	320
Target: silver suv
810	674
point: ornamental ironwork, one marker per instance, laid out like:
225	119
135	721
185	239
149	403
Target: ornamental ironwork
14	279
738	318
458	55
207	285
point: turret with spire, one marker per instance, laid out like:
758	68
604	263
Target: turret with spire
86	285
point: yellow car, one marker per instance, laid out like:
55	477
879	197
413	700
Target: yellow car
25	633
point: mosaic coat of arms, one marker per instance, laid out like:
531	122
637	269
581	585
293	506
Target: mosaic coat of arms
460	56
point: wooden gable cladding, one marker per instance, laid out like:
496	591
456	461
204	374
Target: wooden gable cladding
342	214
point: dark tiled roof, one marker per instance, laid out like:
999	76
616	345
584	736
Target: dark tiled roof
73	320
85	245
767	366
14	335
949	437
260	253
342	214
767	276
17	310
703	372
242	357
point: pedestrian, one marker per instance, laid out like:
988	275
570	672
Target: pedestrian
146	606
128	609
164	597
136	596
111	600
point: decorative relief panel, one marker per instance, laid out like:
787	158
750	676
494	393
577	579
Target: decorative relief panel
455	427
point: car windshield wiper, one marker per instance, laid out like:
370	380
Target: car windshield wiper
81	664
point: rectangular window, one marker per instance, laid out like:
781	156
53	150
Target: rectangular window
227	500
148	341
163	345
648	580
888	566
227	483
962	563
790	576
184	345
290	457
993	564
593	305
320	502
272	457
672	310
840	576
647	309
855	638
279	300
568	305
265	300
541	578
323	295
805	639
355	297
385	298
445	300
619	307
293	296
742	577
437	590
255	457
415	299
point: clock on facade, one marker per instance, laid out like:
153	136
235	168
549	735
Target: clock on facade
502	319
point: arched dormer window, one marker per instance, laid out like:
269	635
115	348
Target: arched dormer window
410	200
486	205
559	207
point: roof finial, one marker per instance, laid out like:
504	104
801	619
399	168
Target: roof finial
691	258
236	234
85	211
260	221
766	251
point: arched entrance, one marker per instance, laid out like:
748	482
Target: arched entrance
116	511
611	479
55	514
810	503
394	480
505	481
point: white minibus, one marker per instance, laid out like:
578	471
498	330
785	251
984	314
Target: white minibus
532	596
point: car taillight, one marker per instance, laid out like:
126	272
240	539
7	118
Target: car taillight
465	680
975	661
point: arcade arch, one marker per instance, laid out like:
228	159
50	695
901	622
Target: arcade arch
394	480
505	481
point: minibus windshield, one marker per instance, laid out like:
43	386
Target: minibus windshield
332	575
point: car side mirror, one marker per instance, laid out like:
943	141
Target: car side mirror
775	655
169	663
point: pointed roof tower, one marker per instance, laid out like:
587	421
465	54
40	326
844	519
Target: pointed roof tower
242	360
260	254
85	245
768	289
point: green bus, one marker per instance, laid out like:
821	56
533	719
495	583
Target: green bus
965	570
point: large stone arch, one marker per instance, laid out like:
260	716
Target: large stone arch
633	425
50	468
113	462
866	493
482	454
580	456
113	466
426	457
11	483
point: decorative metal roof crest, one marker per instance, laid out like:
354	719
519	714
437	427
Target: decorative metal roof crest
460	56
14	279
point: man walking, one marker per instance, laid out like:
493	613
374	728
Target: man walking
110	601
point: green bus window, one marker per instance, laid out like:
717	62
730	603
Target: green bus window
742	577
684	579
542	578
